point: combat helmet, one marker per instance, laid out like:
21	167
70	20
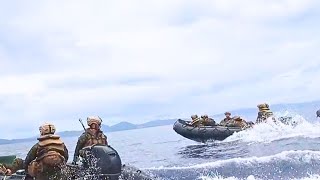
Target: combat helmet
194	116
47	128
205	116
263	107
94	120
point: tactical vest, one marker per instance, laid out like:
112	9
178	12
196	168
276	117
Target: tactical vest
263	116
48	144
93	139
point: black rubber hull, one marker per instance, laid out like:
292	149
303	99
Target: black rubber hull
205	133
128	173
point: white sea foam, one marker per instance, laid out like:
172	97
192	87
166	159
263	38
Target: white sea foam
251	177
292	156
270	131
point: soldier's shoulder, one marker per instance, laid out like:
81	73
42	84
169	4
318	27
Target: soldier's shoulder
84	135
35	146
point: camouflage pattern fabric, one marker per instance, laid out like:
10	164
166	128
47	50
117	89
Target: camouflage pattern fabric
263	116
14	167
225	121
87	139
48	172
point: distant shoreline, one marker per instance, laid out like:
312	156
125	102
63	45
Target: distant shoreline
122	126
311	108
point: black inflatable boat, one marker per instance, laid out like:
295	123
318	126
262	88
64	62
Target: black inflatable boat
99	163
203	133
217	132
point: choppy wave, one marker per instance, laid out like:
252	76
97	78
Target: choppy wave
284	165
251	177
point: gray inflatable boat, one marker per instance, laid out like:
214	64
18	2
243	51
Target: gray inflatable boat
203	133
216	132
101	163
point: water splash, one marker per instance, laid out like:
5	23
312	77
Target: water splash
271	131
251	177
284	165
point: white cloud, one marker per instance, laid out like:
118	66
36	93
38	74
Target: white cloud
139	60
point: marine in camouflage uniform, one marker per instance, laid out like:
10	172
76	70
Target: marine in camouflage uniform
237	122
8	169
206	121
92	136
264	113
226	120
196	121
47	159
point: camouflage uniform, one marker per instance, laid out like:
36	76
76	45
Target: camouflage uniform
47	158
196	121
226	120
206	121
237	122
90	137
8	169
264	113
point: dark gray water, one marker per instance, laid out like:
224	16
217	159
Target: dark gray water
265	152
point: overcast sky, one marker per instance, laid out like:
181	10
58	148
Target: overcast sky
137	61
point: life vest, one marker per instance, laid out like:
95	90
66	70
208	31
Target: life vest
95	139
49	153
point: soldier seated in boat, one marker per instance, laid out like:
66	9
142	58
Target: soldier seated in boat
226	120
9	169
237	121
206	121
92	136
196	121
264	113
47	158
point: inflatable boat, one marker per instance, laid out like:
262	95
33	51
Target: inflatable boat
216	132
99	163
203	133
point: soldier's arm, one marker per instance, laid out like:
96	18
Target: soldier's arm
80	144
8	166
66	153
32	154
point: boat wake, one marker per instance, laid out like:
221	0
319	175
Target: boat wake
267	151
285	165
270	131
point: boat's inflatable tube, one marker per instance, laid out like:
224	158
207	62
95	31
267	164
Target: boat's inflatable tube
7	159
127	173
204	133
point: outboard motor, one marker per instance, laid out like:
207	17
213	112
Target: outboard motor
102	162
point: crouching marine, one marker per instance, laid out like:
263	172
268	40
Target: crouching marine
47	159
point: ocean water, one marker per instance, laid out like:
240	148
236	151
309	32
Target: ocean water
268	151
